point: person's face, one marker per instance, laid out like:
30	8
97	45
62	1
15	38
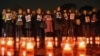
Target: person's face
39	11
84	12
28	11
58	9
64	11
8	10
70	11
20	11
48	12
94	10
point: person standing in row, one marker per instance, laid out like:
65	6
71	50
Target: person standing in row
19	23
28	22
71	23
8	23
78	24
58	21
37	21
48	19
85	19
65	23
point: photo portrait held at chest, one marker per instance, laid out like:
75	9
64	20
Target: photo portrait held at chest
62	32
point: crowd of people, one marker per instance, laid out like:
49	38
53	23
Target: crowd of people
41	23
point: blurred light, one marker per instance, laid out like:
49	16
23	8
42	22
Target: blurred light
29	46
67	47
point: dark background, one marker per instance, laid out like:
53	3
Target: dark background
45	4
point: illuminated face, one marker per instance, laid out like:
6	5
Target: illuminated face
70	11
65	11
28	11
58	9
39	11
8	10
94	10
20	11
84	12
48	12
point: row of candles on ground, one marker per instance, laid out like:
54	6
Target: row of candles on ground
26	46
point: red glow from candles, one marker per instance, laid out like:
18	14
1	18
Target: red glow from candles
3	42
9	53
49	44
23	44
38	39
24	53
82	55
67	47
10	42
82	45
50	54
87	40
3	51
97	40
56	41
29	46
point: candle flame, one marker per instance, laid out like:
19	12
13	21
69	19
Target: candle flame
29	46
3	42
50	54
82	44
24	53
10	43
49	44
67	47
82	55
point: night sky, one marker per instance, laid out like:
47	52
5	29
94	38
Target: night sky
45	4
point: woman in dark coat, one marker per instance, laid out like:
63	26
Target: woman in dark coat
8	23
19	22
37	21
28	22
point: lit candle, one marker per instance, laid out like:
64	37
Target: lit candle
81	45
3	41
29	46
56	41
81	53
10	42
87	40
97	40
2	51
91	40
22	43
49	53
67	50
24	53
63	42
9	53
67	47
49	44
38	42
